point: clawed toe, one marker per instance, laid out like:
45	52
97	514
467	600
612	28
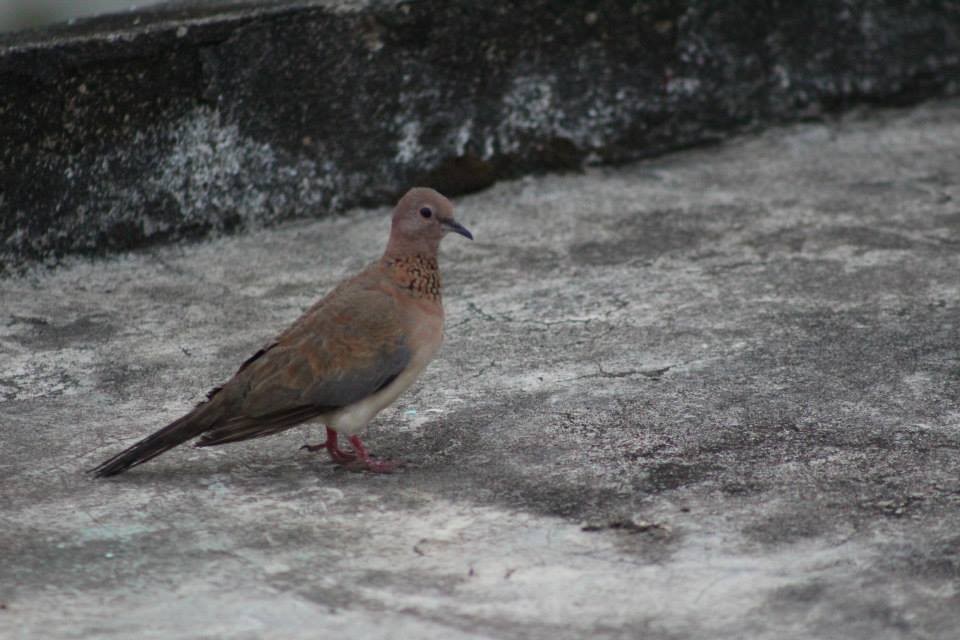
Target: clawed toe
365	463
340	456
337	454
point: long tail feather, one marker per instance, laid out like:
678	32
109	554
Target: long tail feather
202	418
247	428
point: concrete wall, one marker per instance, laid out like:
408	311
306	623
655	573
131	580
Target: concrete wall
193	119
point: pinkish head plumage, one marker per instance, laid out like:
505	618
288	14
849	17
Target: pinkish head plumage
420	220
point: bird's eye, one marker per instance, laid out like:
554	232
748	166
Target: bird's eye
426	212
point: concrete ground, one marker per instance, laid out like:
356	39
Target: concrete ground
711	395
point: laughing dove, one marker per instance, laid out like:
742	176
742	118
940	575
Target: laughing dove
343	361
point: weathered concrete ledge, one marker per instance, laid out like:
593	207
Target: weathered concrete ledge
185	120
709	396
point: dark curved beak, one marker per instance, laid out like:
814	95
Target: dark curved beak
456	227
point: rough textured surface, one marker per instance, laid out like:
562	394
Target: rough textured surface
713	395
198	118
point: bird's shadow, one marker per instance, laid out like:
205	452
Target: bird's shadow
260	471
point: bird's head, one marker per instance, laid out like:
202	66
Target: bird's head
420	220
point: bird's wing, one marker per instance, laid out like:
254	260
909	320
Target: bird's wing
338	353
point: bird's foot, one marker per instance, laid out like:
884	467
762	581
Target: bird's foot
337	454
364	462
342	457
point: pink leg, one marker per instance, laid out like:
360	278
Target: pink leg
337	454
365	463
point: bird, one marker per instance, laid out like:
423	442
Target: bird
347	358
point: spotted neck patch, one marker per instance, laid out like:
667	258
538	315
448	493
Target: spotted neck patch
418	274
